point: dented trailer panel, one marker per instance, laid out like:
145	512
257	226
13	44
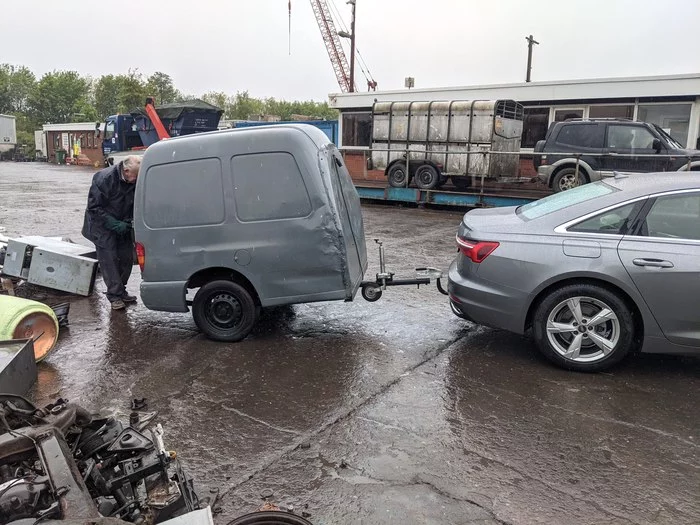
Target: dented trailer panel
453	134
273	204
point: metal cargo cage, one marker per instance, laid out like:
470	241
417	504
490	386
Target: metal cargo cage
455	136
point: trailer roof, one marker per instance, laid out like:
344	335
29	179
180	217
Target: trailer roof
687	85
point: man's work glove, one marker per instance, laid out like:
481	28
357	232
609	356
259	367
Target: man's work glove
117	226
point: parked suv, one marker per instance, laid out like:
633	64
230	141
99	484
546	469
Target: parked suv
603	146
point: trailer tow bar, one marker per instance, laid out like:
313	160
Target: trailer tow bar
372	290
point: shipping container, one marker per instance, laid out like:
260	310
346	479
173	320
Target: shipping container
446	139
329	127
8	133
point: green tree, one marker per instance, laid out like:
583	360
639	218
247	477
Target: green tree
132	91
59	95
161	87
244	106
220	100
106	94
16	85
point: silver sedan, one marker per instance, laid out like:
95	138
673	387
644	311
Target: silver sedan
594	272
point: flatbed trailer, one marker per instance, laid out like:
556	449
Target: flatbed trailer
484	198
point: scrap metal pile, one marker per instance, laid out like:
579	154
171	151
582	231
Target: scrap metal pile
60	464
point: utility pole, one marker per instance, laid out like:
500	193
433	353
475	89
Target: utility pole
530	42
352	46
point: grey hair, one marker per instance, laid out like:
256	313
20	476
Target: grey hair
132	163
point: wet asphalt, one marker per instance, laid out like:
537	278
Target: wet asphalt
386	412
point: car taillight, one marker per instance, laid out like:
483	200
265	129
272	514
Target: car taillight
543	160
477	251
140	255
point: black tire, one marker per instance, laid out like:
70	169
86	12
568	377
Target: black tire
617	331
371	292
270	517
565	179
398	176
427	177
462	183
224	311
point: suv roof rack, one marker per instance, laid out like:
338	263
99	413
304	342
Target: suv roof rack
580	119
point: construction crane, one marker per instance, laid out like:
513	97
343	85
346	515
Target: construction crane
333	45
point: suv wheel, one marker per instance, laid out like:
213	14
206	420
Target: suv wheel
583	327
565	179
224	311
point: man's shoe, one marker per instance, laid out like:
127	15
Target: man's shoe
118	305
129	298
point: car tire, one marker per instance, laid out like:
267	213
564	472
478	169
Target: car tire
224	311
398	176
427	177
565	179
462	183
603	335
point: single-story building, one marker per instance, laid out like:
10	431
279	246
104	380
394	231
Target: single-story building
75	137
672	102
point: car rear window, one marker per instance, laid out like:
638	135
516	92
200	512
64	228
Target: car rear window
583	135
564	199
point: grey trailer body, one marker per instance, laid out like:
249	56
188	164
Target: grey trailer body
272	209
449	137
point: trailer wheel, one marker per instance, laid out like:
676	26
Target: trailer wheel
427	177
462	183
224	311
371	292
398	176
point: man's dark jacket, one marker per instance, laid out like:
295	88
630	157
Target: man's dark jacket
109	198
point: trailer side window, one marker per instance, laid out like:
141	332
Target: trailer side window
269	186
184	194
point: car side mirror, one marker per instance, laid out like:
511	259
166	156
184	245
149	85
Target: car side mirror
657	146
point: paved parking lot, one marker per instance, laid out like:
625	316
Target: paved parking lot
386	412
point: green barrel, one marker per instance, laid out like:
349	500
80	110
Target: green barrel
60	156
25	319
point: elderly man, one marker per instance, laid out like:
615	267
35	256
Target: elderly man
108	223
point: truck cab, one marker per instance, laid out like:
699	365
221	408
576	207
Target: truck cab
120	135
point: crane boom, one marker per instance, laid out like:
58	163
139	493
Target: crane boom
332	41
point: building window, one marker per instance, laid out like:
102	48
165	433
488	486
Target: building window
561	115
357	129
623	112
535	123
673	118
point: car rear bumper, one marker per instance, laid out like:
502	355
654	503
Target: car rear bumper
487	303
166	296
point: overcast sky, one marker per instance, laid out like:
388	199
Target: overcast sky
232	45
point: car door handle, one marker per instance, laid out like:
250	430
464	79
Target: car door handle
653	263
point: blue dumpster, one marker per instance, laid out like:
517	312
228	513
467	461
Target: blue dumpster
179	118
